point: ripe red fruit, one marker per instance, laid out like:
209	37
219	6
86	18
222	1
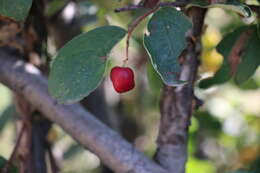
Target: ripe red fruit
122	79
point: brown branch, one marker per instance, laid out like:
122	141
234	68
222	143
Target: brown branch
131	29
161	4
114	151
54	166
177	104
14	152
234	58
128	8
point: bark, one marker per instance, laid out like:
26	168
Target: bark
114	151
177	104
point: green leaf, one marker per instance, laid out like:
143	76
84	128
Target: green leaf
250	84
79	66
250	60
208	122
54	7
15	9
13	168
166	42
224	47
154	79
2	162
258	29
232	5
6	116
242	171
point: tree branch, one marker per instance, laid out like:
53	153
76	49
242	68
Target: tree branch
177	104
114	151
9	163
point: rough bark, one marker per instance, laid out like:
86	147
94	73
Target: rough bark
114	151
177	104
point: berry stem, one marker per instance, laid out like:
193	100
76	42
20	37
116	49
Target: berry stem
132	27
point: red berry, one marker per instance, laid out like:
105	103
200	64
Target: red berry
122	79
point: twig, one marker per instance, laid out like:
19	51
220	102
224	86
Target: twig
161	4
128	8
111	148
54	167
132	27
234	58
10	161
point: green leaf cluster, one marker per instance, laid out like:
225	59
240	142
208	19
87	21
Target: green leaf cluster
15	9
249	59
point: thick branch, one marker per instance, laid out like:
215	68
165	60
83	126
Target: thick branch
177	104
114	151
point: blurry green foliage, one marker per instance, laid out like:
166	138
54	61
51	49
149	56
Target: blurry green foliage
155	82
54	7
6	115
3	161
249	59
15	9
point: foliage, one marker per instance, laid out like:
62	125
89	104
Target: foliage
15	9
79	66
166	41
249	60
3	161
225	131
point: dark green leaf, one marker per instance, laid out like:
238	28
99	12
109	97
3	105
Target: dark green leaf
242	171
166	41
208	122
55	6
6	116
224	47
258	29
250	84
79	66
255	166
73	150
15	9
154	79
3	161
250	60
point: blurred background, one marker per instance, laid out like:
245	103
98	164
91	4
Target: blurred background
225	131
